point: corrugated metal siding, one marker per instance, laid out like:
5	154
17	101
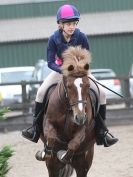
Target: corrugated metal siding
103	5
21	54
110	51
50	8
29	10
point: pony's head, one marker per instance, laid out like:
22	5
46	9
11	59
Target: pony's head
77	95
75	73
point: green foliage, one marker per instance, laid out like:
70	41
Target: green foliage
2	112
5	154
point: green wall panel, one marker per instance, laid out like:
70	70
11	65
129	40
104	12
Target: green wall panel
102	5
112	51
108	51
21	54
29	10
50	8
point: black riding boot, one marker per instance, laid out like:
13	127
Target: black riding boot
33	133
103	137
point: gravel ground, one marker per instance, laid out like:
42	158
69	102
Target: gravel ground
116	161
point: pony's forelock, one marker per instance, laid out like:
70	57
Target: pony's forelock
78	57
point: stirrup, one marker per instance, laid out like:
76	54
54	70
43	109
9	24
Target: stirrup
107	133
113	140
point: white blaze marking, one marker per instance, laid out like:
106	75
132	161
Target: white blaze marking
77	83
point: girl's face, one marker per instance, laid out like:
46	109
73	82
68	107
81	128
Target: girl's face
69	27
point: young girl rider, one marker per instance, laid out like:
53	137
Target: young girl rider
67	35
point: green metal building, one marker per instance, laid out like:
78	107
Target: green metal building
32	8
25	29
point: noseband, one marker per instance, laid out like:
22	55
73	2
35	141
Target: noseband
77	102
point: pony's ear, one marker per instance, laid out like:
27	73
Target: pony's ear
86	66
70	68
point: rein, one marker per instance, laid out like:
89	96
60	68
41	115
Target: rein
66	95
66	99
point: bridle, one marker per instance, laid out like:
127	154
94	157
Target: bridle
77	102
69	109
70	105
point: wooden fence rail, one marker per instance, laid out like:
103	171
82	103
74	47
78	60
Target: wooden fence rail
27	101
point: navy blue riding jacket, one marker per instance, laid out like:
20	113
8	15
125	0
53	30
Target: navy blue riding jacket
57	45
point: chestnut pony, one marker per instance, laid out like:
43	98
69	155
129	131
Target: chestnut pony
69	122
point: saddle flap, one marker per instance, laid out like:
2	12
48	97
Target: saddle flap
94	101
47	96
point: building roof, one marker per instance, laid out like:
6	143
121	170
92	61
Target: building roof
42	27
7	2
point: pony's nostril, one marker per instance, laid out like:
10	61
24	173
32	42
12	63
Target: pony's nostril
80	119
76	118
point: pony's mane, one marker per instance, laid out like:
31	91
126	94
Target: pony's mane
78	58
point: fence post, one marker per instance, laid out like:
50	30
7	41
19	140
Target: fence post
127	92
24	97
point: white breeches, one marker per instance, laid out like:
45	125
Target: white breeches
54	77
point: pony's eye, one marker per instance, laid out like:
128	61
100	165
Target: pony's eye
86	66
70	68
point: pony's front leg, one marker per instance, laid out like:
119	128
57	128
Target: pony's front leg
67	156
50	136
85	160
49	148
78	138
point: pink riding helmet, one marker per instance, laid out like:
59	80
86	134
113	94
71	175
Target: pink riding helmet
67	13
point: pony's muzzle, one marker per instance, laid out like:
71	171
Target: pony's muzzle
80	119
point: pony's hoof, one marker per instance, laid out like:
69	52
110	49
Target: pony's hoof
40	155
64	157
60	155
